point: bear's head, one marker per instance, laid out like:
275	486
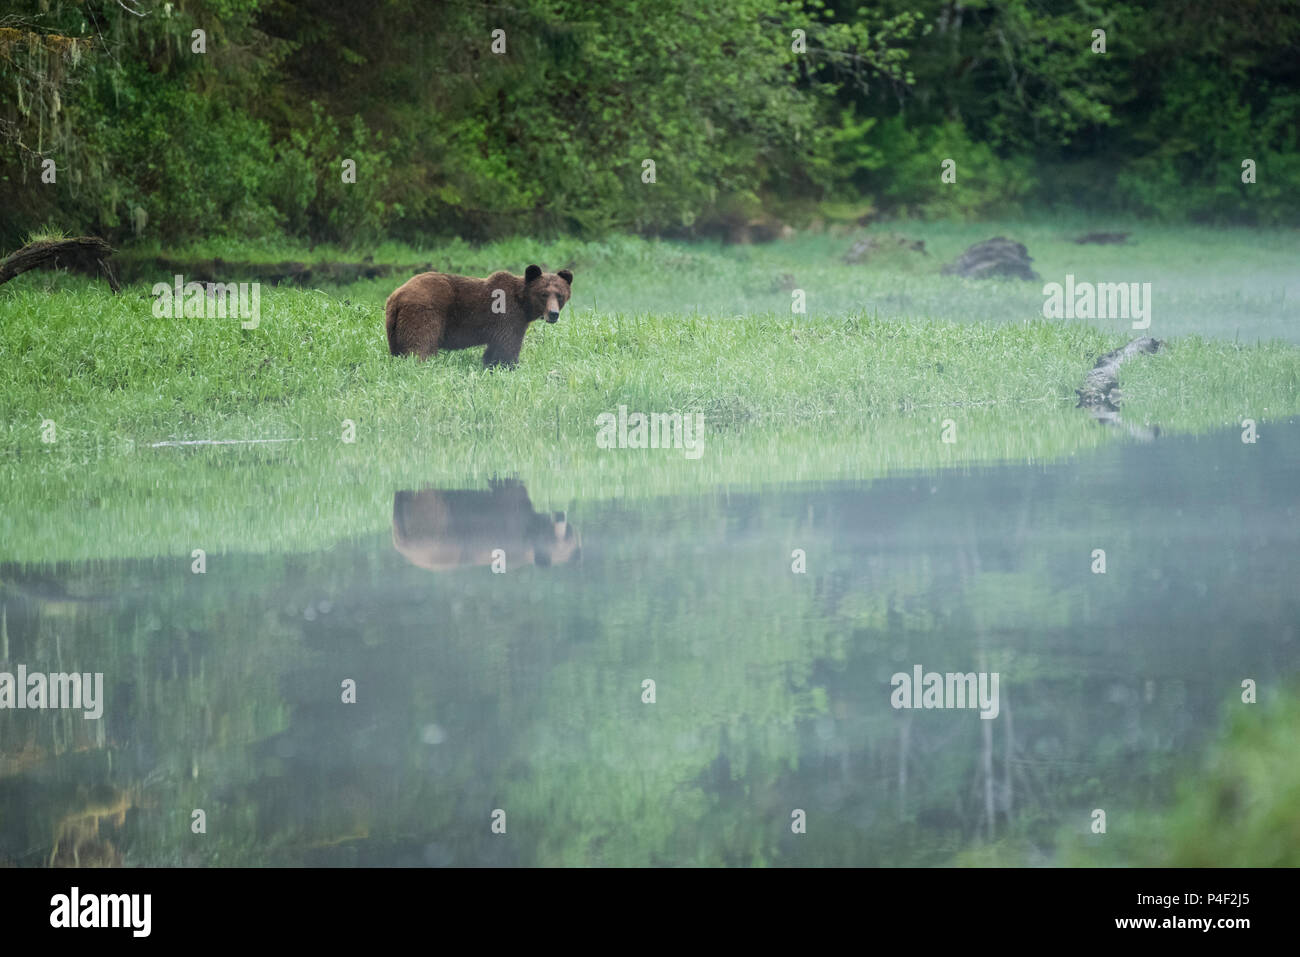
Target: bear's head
545	293
554	540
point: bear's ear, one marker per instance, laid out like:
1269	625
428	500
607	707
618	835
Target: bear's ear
566	276
532	272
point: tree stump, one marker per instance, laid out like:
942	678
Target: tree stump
993	257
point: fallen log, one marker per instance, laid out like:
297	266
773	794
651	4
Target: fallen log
287	272
87	255
1100	394
1103	239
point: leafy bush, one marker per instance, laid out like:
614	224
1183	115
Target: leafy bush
913	161
745	107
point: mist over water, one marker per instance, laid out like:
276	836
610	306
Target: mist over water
524	691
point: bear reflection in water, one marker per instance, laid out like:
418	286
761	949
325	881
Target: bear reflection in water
440	530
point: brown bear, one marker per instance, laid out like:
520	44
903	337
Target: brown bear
435	311
441	529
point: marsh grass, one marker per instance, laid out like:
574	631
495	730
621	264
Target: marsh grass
47	233
1238	810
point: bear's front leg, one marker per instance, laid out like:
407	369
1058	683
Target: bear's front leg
494	358
503	350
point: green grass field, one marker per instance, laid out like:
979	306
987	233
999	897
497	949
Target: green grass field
858	386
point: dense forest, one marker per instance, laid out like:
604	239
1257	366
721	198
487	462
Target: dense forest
180	120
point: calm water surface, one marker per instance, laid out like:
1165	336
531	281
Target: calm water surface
525	692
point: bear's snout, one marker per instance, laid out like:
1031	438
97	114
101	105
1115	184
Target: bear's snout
552	315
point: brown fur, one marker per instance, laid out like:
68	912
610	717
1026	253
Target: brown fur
435	311
440	530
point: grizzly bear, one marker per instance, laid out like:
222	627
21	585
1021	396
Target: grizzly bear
441	529
435	311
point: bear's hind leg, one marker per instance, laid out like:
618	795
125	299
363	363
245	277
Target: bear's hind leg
424	332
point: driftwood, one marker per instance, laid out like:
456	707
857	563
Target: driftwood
993	257
1100	394
88	255
1099	385
863	249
